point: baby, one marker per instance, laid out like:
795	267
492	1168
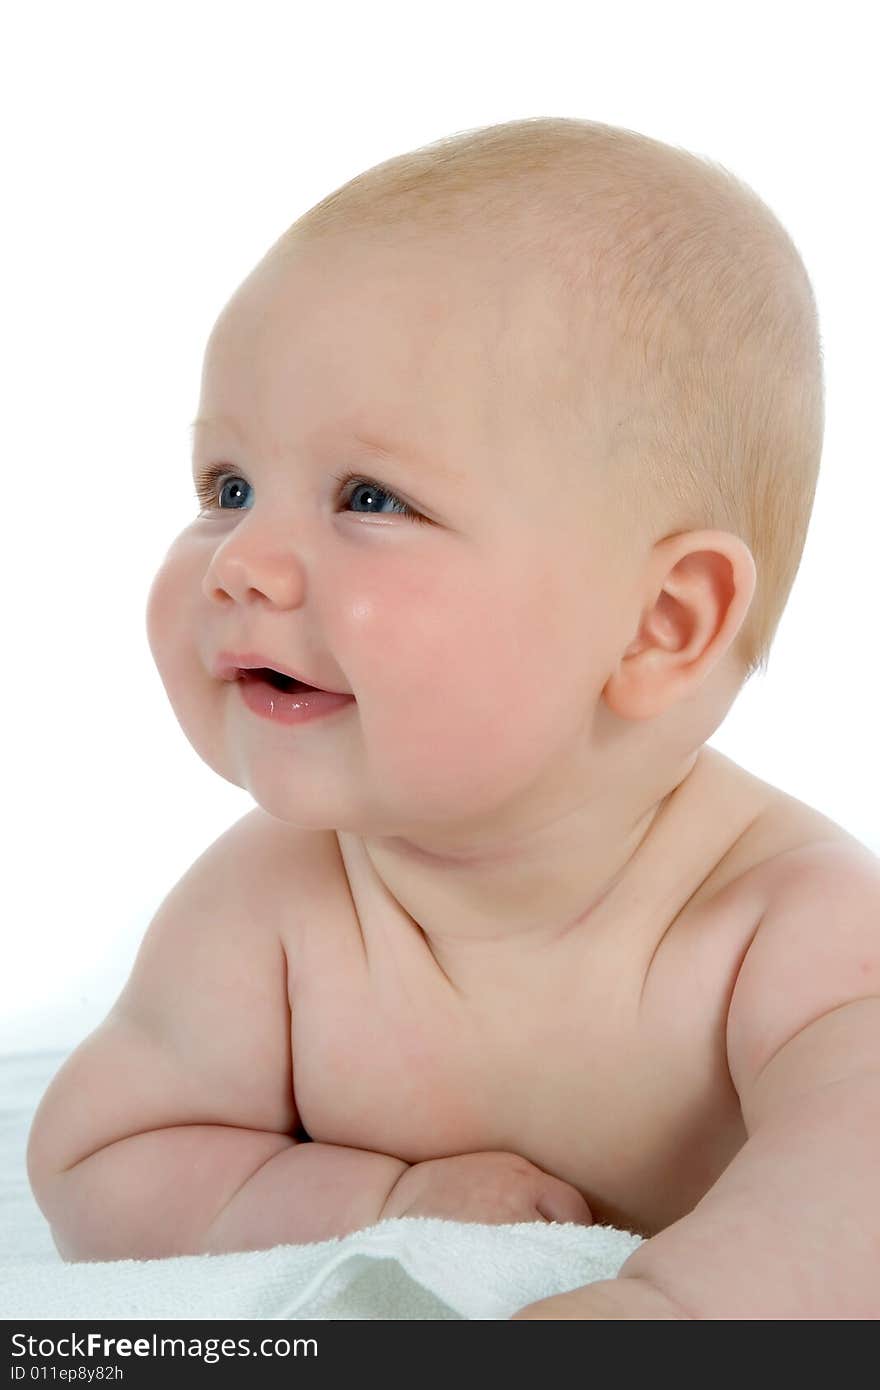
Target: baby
505	459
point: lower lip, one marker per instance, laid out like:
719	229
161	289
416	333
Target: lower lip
289	707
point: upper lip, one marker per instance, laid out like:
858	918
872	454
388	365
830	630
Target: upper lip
229	665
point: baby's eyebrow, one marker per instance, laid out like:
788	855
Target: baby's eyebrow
382	449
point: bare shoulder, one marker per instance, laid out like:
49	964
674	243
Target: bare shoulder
791	863
783	912
815	952
764	825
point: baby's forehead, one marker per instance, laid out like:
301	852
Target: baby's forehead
427	285
421	331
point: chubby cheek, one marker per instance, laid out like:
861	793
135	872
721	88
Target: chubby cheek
454	674
171	623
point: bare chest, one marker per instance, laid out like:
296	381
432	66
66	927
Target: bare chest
617	1086
608	1069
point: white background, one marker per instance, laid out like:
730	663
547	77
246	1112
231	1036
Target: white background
152	153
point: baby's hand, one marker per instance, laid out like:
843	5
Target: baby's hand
495	1188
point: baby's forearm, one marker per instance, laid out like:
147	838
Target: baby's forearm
196	1189
307	1192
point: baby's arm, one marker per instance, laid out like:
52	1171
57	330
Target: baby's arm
171	1129
791	1228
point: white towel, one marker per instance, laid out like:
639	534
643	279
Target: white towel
408	1268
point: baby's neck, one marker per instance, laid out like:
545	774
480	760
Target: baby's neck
519	895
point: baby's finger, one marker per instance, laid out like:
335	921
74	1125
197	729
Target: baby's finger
559	1201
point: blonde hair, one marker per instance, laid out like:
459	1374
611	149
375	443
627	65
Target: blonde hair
702	301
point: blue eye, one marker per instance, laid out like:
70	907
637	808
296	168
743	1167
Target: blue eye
370	491
209	480
207	483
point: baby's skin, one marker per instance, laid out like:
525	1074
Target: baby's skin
504	939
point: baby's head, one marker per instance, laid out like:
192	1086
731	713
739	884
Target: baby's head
515	438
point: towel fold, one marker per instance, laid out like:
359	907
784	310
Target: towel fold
404	1269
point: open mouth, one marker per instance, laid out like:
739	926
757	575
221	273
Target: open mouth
274	678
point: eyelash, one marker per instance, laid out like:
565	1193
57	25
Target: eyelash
209	479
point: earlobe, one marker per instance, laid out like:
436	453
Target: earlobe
640	688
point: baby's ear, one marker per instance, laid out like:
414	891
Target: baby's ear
696	594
